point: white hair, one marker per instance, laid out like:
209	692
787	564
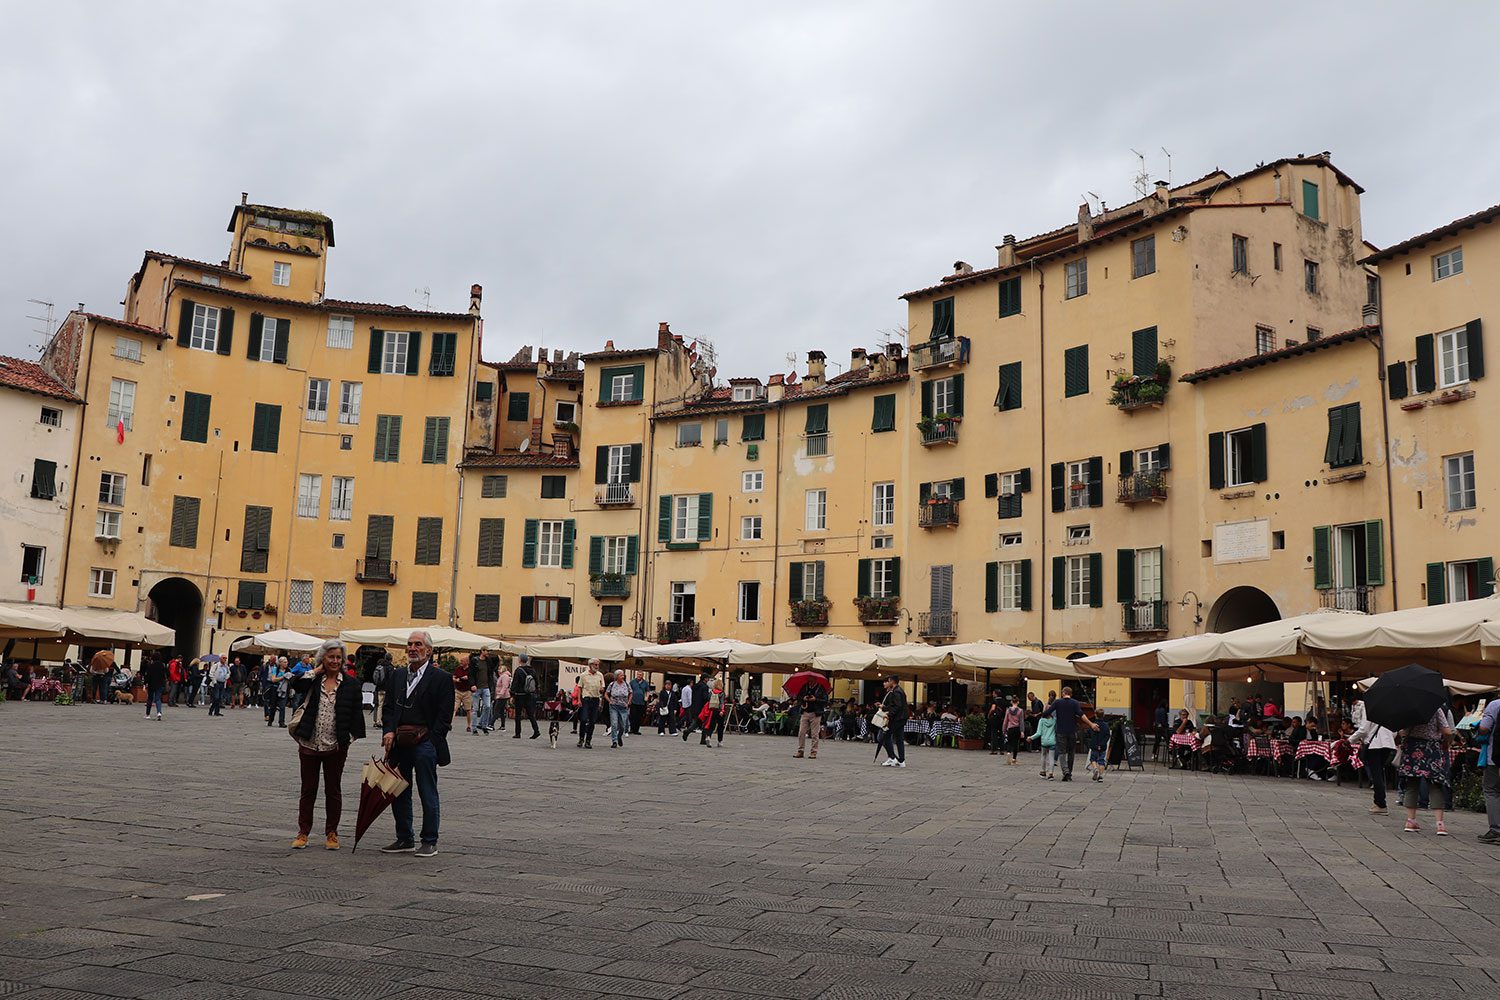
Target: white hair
425	635
323	649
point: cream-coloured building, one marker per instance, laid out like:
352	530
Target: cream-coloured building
41	413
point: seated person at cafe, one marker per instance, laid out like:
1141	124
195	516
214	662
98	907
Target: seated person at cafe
1296	732
1184	727
1270	711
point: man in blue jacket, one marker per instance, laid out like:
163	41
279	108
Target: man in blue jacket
1067	713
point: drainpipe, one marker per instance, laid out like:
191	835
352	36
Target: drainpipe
1378	342
1041	340
458	514
776	530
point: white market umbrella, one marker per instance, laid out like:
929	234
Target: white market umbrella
1489	640
987	654
19	621
281	640
706	649
610	647
442	637
1130	661
1449	638
907	655
123	628
1457	687
798	652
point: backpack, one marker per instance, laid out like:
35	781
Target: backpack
530	685
380	675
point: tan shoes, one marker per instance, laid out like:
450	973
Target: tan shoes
797	754
299	842
332	843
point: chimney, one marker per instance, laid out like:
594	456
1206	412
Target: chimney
1157	202
880	365
244	197
893	350
1007	250
663	337
815	369
857	359
775	388
536	436
1085	223
962	268
476	296
609	345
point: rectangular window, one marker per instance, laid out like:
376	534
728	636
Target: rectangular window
1241	254
1143	257
393	352
1078	485
566	412
518	406
749	601
1463	581
266	351
611	616
486	607
1010	540
349	397
309	494
1011	574
882	542
387	438
1453	358
549	552
424	605
1458	476
1076	278
1344	447
883	579
121	404
340	335
684	600
1076	371
341	499
753	481
1009	395
184	532
1079	582
685	518
494	487
1265	340
112	489
317	399
337	541
817	510
1276	256
255	540
884	417
51	416
622	387
33	562
942	319
375	603
721	431
444	359
1310	276
689	435
812	582
429	550
945	397
334	595
750	528
883	505
1446	265
204	335
101	582
753	427
1148	461
1080	534
554	487
614	557
617	465
299	597
1010	295
1313	333
265	433
435	441
1310	199
127	349
1239	447
44	479
107	524
281	274
491	541
743	393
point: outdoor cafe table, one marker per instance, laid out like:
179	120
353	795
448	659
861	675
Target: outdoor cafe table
1276	749
918	728
945	728
1188	741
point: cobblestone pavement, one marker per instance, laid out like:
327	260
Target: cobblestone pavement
152	860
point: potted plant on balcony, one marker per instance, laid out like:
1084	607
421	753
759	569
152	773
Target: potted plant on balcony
810	613
971	732
878	610
607	583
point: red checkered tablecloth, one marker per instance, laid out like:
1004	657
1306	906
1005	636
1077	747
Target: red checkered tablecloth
1275	751
1184	740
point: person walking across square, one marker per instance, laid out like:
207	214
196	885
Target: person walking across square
1067	712
590	691
523	692
619	693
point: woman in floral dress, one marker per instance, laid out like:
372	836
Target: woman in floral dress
1424	763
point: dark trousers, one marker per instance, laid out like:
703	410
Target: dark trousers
894	741
331	766
637	713
1375	765
714	726
992	732
689	721
99	683
272	703
588	712
1065	748
661	721
525	705
1013	741
417	765
216	707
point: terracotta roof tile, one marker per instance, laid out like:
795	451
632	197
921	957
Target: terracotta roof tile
629	352
328	305
517	460
1270	357
1432	236
28	376
172	258
122	324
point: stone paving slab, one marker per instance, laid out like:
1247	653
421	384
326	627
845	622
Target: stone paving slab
152	860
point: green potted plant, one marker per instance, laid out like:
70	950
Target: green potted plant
874	610
971	732
810	613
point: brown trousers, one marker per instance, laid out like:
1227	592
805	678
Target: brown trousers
812	725
331	764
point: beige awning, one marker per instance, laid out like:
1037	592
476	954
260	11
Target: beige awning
281	640
30	621
609	647
966	660
120	628
797	653
442	637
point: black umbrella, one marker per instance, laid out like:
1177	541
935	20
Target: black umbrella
1405	697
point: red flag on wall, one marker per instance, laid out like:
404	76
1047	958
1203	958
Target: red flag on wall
120	431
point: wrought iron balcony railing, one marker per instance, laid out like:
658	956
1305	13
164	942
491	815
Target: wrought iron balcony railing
375	570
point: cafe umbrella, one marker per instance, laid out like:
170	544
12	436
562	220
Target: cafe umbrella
1405	697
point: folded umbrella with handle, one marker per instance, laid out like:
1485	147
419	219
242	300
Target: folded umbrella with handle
1405	697
380	784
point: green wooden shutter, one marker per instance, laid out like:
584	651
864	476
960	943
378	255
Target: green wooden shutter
596	555
958	395
1076	371
1259	464
1010	297
195	411
569	532
1351	448
822	578
1310	199
601	464
413	352
991	485
895	576
1143	351
942	319
1437	578
265	434
185	323
382	430
1059	583
1395	380
924	493
884	418
43	479
1323	557
705	517
664	520
1486	573
377	349
794	582
1125	575
429	441
1426	374
638	382
927	400
564	610
1374	554
1164	456
1127	462
1059	487
1009	396
753	427
252	342
1216	460
528	610
817	419
226	331
1474	336
491	541
283	340
991	587
632	554
1332	450
1023	481
1096	580
635	463
1096	481
862	585
528	544
1025	584
956	488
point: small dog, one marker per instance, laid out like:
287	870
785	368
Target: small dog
552	733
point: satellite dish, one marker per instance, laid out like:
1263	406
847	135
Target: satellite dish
525	443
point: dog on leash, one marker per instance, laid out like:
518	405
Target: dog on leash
552	733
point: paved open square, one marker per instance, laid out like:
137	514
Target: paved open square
151	859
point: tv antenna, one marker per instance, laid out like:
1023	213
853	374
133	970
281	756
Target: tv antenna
426	293
1098	200
1169	165
1142	176
45	321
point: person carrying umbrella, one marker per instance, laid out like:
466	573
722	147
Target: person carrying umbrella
896	711
811	691
331	717
1414	699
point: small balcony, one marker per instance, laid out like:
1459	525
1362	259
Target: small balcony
375	571
937	624
938	513
940	353
1140	392
878	610
811	614
1142	487
938	430
1144	616
615	495
677	631
1348	599
609	585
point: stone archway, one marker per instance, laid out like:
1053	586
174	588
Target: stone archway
1239	607
178	604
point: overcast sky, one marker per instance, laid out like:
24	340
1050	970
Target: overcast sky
768	176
